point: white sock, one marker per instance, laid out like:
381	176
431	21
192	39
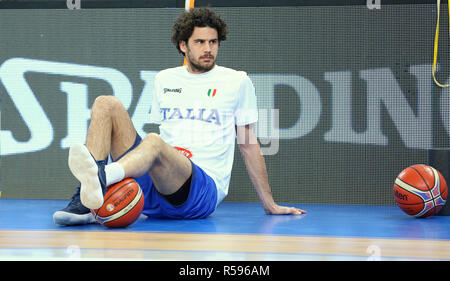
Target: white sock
114	173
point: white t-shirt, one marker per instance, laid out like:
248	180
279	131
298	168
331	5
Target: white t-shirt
198	113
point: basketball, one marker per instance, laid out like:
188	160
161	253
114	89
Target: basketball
420	191
122	205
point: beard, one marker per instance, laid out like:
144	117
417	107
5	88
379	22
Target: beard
199	66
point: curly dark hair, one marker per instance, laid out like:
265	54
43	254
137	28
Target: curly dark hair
201	17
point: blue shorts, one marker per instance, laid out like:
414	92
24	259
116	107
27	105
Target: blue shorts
201	201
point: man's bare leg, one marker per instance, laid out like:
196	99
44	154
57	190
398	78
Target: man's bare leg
110	130
168	168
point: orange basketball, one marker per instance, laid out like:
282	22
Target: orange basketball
122	205
420	191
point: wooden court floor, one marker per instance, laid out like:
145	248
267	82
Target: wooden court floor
235	232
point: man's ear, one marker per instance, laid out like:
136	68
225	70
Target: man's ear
183	46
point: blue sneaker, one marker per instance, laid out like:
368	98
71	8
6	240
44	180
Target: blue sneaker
75	213
91	175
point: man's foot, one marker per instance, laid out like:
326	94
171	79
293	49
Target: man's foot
75	213
93	181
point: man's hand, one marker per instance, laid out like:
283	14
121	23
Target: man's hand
282	210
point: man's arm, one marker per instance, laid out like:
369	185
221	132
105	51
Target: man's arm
256	168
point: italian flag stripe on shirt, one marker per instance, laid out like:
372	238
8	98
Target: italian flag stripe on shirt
213	93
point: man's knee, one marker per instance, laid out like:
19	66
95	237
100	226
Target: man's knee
155	141
106	103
